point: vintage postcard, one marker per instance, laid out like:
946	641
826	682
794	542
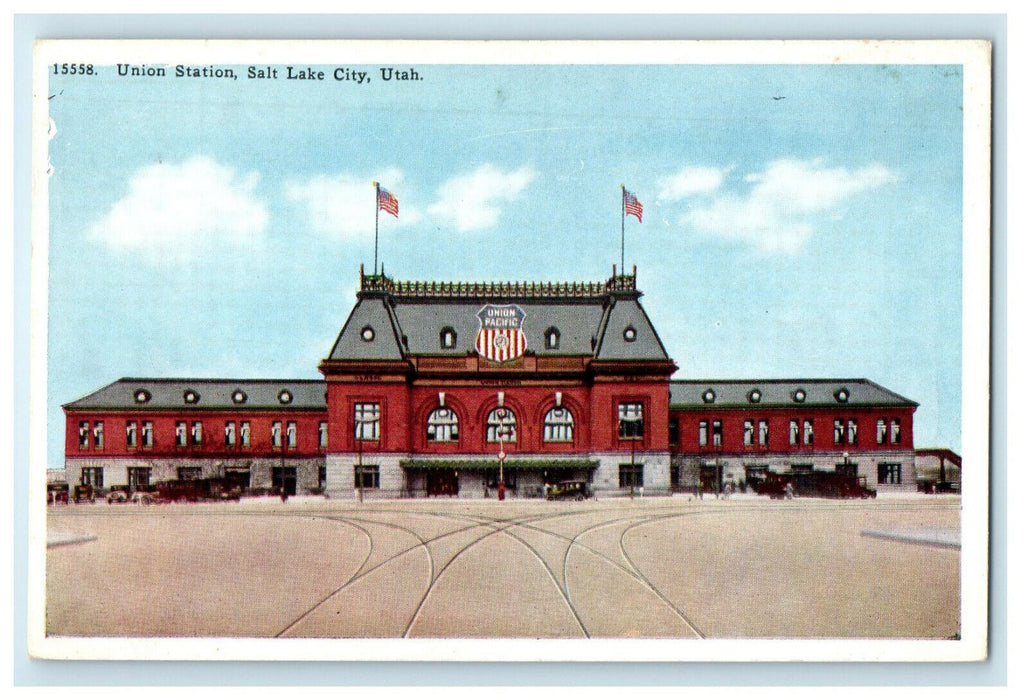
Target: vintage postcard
510	350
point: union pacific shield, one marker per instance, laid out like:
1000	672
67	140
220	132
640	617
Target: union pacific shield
500	337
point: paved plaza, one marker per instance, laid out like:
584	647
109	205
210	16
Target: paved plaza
653	567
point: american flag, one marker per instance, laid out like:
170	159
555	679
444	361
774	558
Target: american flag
388	203
633	207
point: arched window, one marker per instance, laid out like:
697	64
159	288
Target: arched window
558	425
442	425
447	338
552	338
501	422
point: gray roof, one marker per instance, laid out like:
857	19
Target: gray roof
409	318
782	392
212	394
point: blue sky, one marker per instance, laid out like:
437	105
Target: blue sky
215	227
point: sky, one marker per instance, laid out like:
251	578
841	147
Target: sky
799	221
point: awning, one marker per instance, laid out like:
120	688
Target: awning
534	464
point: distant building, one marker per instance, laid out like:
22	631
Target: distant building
428	382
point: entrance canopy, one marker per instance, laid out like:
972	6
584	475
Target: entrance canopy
509	463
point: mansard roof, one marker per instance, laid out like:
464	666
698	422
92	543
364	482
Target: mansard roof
753	393
206	395
396	319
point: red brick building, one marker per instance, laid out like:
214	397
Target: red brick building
428	382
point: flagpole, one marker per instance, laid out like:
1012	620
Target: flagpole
622	228
375	268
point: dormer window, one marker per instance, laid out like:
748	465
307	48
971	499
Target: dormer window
552	338
709	396
630	334
367	334
447	338
799	396
842	395
285	396
238	396
190	396
142	396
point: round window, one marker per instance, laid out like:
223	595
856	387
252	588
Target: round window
367	334
190	396
842	395
142	395
800	396
755	396
709	396
238	396
285	396
630	334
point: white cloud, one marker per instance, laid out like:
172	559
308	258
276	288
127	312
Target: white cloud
343	205
472	201
171	209
690	181
785	203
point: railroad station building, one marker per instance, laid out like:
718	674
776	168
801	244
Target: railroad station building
428	383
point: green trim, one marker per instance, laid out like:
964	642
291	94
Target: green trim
483	464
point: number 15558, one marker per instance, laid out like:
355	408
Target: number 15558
73	69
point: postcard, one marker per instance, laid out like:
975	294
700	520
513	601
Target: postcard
421	350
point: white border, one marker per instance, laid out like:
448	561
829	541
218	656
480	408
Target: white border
975	58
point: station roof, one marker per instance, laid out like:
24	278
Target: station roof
396	319
206	395
782	392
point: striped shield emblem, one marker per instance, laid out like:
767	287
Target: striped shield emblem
500	337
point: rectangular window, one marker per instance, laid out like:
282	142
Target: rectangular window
98	435
747	432
291	435
230	434
322	477
894	431
715	433
630	475
672	432
762	432
138	476
84	435
323	435
147	434
630	421
244	433
190	473
889	473
366	476
131	434
703	437
794	432
92	476
276	434
839	431
851	432
366	417
197	432
180	434
881	431
808	432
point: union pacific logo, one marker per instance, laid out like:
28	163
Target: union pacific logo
500	336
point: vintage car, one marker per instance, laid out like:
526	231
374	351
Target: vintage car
143	495
568	491
57	492
83	492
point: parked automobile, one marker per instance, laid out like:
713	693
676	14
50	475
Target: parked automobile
57	492
198	490
83	492
568	491
129	494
